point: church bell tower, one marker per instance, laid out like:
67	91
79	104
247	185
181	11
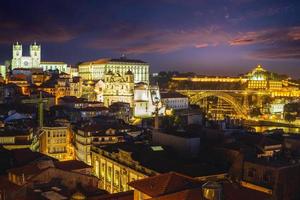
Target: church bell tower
17	55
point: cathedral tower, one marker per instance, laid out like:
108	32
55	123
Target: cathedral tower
17	55
35	54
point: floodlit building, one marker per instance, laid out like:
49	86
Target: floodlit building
175	100
118	164
146	100
3	71
73	71
60	66
31	61
96	70
94	134
118	88
34	59
63	86
16	139
55	141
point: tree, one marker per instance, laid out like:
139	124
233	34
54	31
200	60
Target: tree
289	118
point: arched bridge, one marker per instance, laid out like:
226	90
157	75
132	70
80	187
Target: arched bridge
195	98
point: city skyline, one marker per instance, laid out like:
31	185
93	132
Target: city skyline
85	115
213	38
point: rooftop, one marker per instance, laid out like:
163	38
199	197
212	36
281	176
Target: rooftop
98	108
14	132
51	62
71	165
275	162
172	95
174	186
164	184
114	60
152	157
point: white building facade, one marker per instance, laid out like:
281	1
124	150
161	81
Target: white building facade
31	61
34	59
175	101
146	99
3	71
60	66
95	70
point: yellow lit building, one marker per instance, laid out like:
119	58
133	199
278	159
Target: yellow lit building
16	139
63	86
96	70
60	66
258	78
118	164
118	88
55	141
95	134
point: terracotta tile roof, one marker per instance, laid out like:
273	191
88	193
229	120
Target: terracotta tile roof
235	192
164	184
126	60
99	61
114	60
116	196
28	170
190	194
24	156
71	165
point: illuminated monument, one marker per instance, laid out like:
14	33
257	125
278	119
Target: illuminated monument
118	88
96	70
20	61
141	96
34	59
227	95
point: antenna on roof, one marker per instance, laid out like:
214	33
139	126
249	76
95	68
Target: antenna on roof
123	56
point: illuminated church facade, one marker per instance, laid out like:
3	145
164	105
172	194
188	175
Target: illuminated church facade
142	97
34	59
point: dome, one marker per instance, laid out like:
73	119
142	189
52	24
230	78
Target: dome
258	73
129	73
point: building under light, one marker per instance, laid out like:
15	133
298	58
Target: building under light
55	141
34	59
96	70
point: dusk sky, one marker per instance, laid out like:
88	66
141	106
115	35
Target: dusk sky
221	37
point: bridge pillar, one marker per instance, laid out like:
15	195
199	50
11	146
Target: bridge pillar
259	102
246	101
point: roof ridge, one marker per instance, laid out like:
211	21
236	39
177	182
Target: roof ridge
170	176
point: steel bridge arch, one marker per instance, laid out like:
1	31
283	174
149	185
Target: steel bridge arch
239	109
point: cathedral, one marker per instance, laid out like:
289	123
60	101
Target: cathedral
31	61
34	59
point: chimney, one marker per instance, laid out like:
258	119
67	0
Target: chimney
212	190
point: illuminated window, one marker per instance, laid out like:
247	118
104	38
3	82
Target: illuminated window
109	171
117	178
